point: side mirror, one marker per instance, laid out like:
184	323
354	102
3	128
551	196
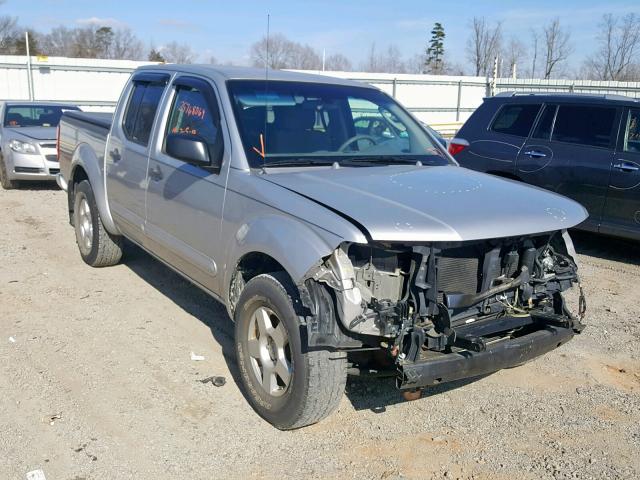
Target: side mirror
190	149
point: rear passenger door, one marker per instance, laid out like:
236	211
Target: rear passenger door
621	215
128	152
570	152
497	150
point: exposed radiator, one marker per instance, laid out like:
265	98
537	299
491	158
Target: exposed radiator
458	275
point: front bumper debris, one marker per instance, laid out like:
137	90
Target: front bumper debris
501	354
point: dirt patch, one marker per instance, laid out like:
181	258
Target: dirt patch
109	351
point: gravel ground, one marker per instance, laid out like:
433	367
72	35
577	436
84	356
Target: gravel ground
99	384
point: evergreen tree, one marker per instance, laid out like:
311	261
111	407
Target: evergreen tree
155	56
435	50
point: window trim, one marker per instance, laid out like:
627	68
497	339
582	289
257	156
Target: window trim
539	119
146	79
512	104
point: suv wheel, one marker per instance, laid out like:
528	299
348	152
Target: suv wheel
5	181
286	385
98	247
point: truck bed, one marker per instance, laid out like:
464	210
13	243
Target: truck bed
82	128
96	119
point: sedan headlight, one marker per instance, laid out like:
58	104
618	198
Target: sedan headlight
22	147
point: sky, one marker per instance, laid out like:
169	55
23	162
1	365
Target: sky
226	29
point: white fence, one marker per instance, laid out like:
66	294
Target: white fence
442	101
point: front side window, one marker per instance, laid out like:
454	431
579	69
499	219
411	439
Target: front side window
193	115
141	111
584	125
515	119
300	123
632	137
34	115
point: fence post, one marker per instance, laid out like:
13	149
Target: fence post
29	71
458	103
395	82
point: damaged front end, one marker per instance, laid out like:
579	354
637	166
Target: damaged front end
445	311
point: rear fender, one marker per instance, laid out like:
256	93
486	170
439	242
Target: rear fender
84	157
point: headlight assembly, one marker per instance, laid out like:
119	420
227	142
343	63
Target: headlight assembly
22	147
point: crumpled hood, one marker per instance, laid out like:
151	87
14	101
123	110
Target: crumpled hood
36	133
409	203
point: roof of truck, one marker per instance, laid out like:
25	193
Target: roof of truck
249	73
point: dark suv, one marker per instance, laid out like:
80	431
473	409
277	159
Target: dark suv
586	147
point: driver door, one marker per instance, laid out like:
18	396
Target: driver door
184	200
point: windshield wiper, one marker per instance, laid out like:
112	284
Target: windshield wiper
382	160
297	162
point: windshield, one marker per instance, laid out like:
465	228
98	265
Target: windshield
34	115
299	123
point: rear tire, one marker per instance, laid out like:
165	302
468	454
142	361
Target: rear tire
98	247
5	181
288	387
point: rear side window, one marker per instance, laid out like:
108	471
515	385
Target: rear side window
584	125
516	119
141	111
545	124
632	138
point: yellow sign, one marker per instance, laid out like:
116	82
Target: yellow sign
42	58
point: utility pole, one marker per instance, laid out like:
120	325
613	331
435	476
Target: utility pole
29	71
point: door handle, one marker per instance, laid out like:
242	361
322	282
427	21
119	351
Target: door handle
155	173
115	155
626	166
535	154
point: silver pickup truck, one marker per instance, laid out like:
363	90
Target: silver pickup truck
335	249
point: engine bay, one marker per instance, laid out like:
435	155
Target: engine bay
410	300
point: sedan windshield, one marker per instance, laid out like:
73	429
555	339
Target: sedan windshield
300	123
34	115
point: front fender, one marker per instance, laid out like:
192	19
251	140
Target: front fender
85	157
297	246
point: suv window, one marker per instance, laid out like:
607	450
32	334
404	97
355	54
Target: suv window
632	138
516	119
193	115
545	123
141	111
584	125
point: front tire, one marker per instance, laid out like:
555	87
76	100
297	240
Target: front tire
98	247
5	181
285	384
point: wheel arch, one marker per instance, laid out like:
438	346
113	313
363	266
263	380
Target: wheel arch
86	165
274	243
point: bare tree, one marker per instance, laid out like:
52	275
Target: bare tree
175	52
125	45
59	42
514	53
619	47
284	53
483	45
557	47
387	61
338	63
8	32
535	41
